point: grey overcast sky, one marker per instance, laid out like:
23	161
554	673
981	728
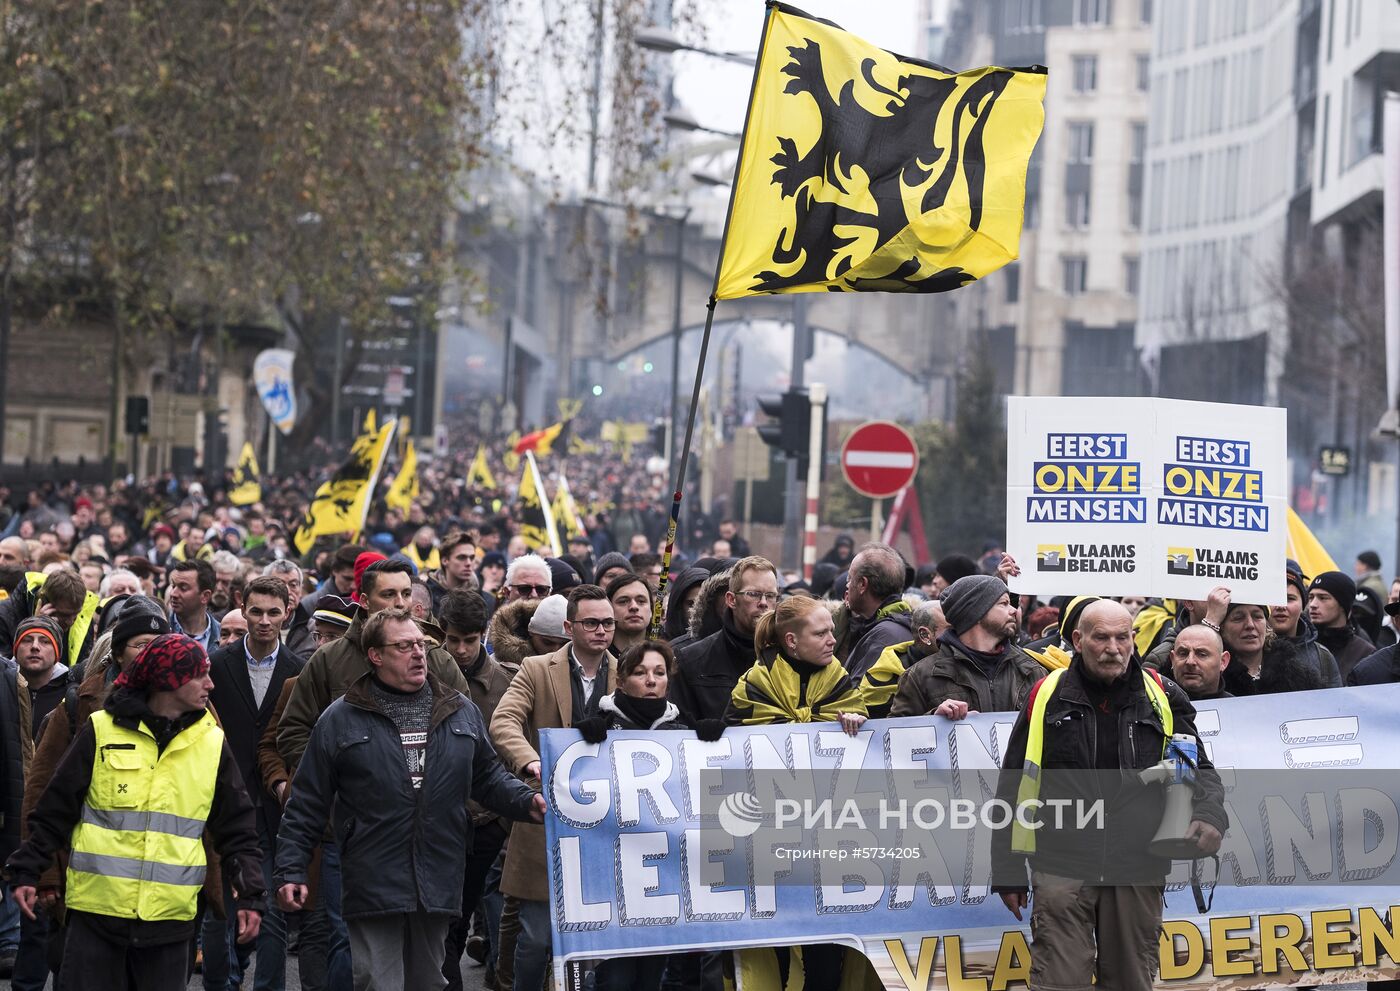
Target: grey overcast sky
715	92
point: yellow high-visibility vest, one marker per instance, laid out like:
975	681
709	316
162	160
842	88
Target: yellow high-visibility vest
78	632
1022	836
138	851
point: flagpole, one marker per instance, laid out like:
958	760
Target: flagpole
373	482
679	489
546	510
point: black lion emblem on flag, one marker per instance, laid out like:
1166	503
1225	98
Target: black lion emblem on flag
896	151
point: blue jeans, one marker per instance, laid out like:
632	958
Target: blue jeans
225	959
532	946
270	973
339	976
9	922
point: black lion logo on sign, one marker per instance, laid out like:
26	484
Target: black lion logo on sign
896	151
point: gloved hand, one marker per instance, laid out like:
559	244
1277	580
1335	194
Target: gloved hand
594	729
709	730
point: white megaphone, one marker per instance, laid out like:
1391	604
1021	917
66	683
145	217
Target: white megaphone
1177	771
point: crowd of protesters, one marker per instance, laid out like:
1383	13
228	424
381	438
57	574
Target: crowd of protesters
222	751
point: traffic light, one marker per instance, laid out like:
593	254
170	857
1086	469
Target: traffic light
138	415
792	412
791	432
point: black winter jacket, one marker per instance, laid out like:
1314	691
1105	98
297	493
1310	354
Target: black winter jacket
11	758
1283	670
1347	644
615	718
399	848
707	671
1133	811
1381	668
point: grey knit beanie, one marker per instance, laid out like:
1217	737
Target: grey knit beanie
968	599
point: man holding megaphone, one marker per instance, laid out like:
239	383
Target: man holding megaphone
1081	743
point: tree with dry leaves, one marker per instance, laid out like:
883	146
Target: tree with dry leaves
209	162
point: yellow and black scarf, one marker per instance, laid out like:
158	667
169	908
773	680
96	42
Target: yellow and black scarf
773	691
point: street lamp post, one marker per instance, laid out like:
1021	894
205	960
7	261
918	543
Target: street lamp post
676	333
658	39
683	120
680	220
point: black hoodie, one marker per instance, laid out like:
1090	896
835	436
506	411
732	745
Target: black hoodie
677	626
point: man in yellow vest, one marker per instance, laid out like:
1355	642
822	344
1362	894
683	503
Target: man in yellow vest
1083	736
143	782
62	597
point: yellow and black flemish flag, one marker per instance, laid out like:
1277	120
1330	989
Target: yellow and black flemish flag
479	473
342	501
566	514
862	170
405	485
536	516
247	489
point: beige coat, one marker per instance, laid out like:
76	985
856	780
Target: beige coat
538	698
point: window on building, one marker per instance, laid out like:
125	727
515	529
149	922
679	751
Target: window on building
1202	22
1081	142
1144	72
1144	11
1130	274
1159	196
1135	208
1192	201
1331	27
1086	73
1137	137
1093	11
1013	283
1074	271
1361	129
1024	15
1179	87
1216	96
1326	130
1077	209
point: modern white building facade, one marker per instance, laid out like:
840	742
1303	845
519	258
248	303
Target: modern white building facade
1221	135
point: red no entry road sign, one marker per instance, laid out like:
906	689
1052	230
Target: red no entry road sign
879	459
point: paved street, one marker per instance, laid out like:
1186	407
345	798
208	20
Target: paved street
471	978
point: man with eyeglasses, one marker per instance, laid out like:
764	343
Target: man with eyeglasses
708	669
330	672
528	577
551	691
419	752
332	618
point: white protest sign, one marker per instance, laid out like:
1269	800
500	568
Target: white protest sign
1156	497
